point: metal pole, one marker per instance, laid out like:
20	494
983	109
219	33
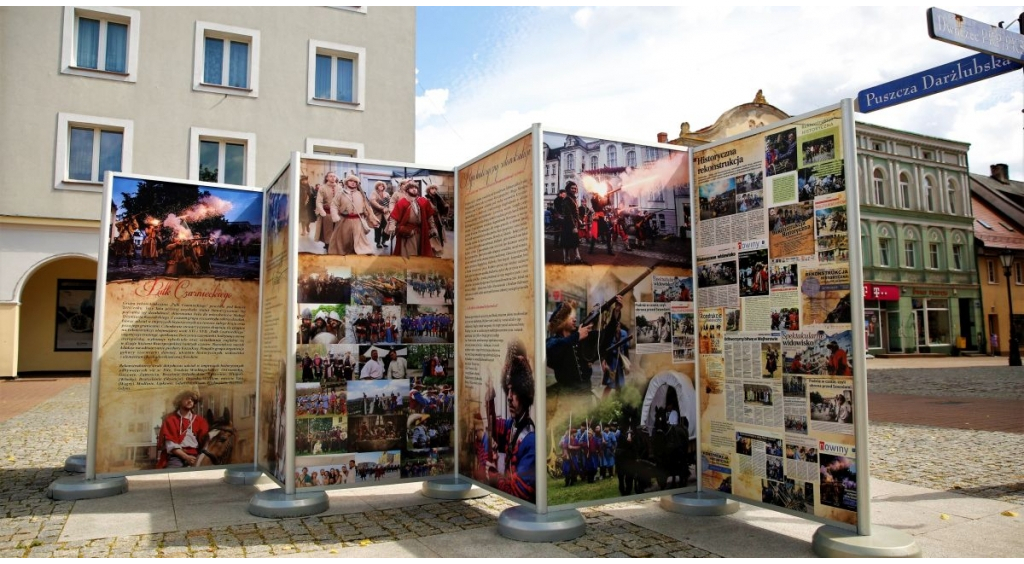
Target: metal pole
1014	346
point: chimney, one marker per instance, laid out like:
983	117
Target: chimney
1000	173
662	137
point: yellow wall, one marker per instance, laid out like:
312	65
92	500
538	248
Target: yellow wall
38	315
8	340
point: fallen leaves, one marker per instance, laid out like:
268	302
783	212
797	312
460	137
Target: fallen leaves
1009	513
943	516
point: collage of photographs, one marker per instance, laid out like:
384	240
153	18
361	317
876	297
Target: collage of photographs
375	333
773	262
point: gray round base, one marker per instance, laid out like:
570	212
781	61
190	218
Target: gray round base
75	464
522	524
275	504
242	476
77	487
883	542
699	504
451	487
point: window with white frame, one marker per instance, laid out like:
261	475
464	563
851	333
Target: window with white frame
909	253
933	255
226	157
226	60
951	192
570	162
651	154
958	257
884	251
88	146
593	162
991	271
631	159
336	148
878	181
336	75
1018	273
100	43
905	190
929	193
613	156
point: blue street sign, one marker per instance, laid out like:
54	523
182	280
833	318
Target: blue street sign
980	36
933	81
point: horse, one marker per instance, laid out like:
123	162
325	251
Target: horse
220	441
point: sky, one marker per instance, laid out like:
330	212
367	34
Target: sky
486	74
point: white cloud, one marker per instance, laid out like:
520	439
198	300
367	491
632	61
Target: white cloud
431	103
636	71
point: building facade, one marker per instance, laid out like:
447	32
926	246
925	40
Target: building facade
998	204
921	290
213	94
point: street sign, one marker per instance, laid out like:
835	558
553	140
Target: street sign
932	81
980	36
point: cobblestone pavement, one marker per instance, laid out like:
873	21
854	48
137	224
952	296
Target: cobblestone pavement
35	444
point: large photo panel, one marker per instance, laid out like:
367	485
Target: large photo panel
177	356
775	327
374	326
619	374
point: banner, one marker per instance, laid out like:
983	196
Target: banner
775	340
177	355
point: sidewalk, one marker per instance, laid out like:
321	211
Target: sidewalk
194	514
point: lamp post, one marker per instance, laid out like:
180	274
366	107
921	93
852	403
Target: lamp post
1007	259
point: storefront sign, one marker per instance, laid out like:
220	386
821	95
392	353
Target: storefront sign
885	293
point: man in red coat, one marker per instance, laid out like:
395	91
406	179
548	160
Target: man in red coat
182	433
838	364
411	220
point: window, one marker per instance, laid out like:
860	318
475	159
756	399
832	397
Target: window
905	190
613	158
335	148
932	321
877	146
226	157
884	252
89	146
951	192
226	60
908	254
593	162
1018	273
929	193
928	155
631	159
100	43
651	154
570	162
991	271
336	75
933	255
958	257
878	181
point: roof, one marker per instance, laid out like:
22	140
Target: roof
998	220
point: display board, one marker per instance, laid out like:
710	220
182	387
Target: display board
621	405
497	278
176	367
777	335
369	395
577	367
275	326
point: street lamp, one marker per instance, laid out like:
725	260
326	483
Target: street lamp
1007	259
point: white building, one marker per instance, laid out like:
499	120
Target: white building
220	94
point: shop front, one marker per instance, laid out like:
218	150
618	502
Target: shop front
909	319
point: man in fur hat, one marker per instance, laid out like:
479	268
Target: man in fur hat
410	223
514	435
353	218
